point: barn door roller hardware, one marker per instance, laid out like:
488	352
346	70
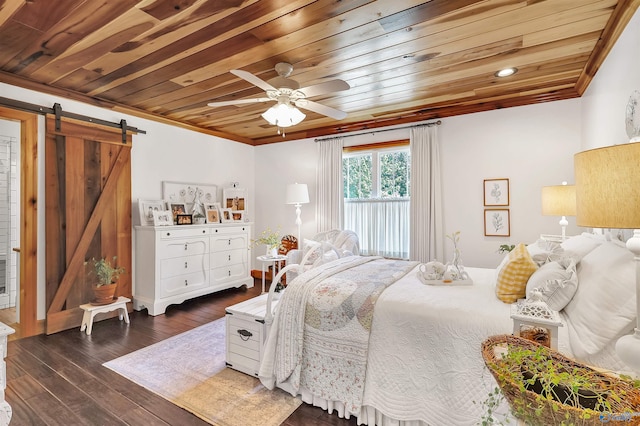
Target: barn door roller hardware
59	113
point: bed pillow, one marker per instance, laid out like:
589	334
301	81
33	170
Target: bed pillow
310	245
556	281
604	306
579	246
514	273
543	251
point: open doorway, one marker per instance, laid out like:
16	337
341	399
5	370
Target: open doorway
9	220
23	233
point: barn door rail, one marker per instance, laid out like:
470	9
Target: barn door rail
59	113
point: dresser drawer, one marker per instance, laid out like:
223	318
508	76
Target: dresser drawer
187	232
226	258
183	283
226	230
229	243
181	247
229	272
183	265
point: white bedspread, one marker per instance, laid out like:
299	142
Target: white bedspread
436	370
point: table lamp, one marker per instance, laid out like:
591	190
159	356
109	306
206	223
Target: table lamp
298	194
608	196
559	200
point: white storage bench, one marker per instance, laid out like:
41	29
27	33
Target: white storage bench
246	334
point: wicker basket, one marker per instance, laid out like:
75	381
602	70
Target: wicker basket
524	403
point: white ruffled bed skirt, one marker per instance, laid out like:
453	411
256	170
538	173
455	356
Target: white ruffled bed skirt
367	415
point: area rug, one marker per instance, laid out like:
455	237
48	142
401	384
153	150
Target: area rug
189	370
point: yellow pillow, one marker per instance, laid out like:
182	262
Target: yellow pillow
512	278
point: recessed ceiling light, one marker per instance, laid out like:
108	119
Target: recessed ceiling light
506	72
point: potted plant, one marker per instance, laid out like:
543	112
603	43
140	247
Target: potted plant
271	239
198	218
105	275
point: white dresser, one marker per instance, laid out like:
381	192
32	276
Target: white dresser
176	263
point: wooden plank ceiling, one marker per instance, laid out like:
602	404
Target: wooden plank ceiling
405	60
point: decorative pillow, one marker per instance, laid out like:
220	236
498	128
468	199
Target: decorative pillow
604	306
311	245
543	251
514	274
579	246
557	282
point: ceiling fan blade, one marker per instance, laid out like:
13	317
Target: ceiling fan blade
238	101
321	109
256	81
326	87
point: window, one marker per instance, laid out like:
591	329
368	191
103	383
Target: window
376	197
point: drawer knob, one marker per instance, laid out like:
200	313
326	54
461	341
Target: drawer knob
185	282
186	246
229	257
245	334
168	234
185	265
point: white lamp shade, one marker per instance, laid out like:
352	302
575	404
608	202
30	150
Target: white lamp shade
559	200
297	193
608	187
283	115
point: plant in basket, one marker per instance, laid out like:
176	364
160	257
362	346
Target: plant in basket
543	387
105	275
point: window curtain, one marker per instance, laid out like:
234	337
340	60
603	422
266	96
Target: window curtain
426	221
329	197
382	226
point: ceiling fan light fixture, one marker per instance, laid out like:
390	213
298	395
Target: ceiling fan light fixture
283	115
506	72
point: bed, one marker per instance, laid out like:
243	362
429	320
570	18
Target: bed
421	362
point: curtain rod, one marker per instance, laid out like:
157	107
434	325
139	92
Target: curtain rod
433	123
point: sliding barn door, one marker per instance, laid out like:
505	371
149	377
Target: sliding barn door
88	214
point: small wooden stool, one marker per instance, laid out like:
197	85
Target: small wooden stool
90	311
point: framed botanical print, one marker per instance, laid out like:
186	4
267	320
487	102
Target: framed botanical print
496	223
496	192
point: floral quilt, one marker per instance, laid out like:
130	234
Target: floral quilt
323	325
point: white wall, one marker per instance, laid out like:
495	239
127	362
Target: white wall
533	146
163	153
605	100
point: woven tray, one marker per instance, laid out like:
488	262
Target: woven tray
524	403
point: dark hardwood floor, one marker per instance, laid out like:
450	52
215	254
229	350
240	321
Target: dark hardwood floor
59	379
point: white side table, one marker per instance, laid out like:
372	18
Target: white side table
275	261
90	311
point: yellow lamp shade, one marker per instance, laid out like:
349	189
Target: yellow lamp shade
608	187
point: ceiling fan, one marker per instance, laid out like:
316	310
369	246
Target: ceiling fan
288	95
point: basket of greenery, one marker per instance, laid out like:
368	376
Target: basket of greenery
543	387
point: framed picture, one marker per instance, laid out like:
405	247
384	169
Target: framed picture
213	214
162	218
184	219
234	199
176	209
146	208
237	216
496	223
496	192
226	215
